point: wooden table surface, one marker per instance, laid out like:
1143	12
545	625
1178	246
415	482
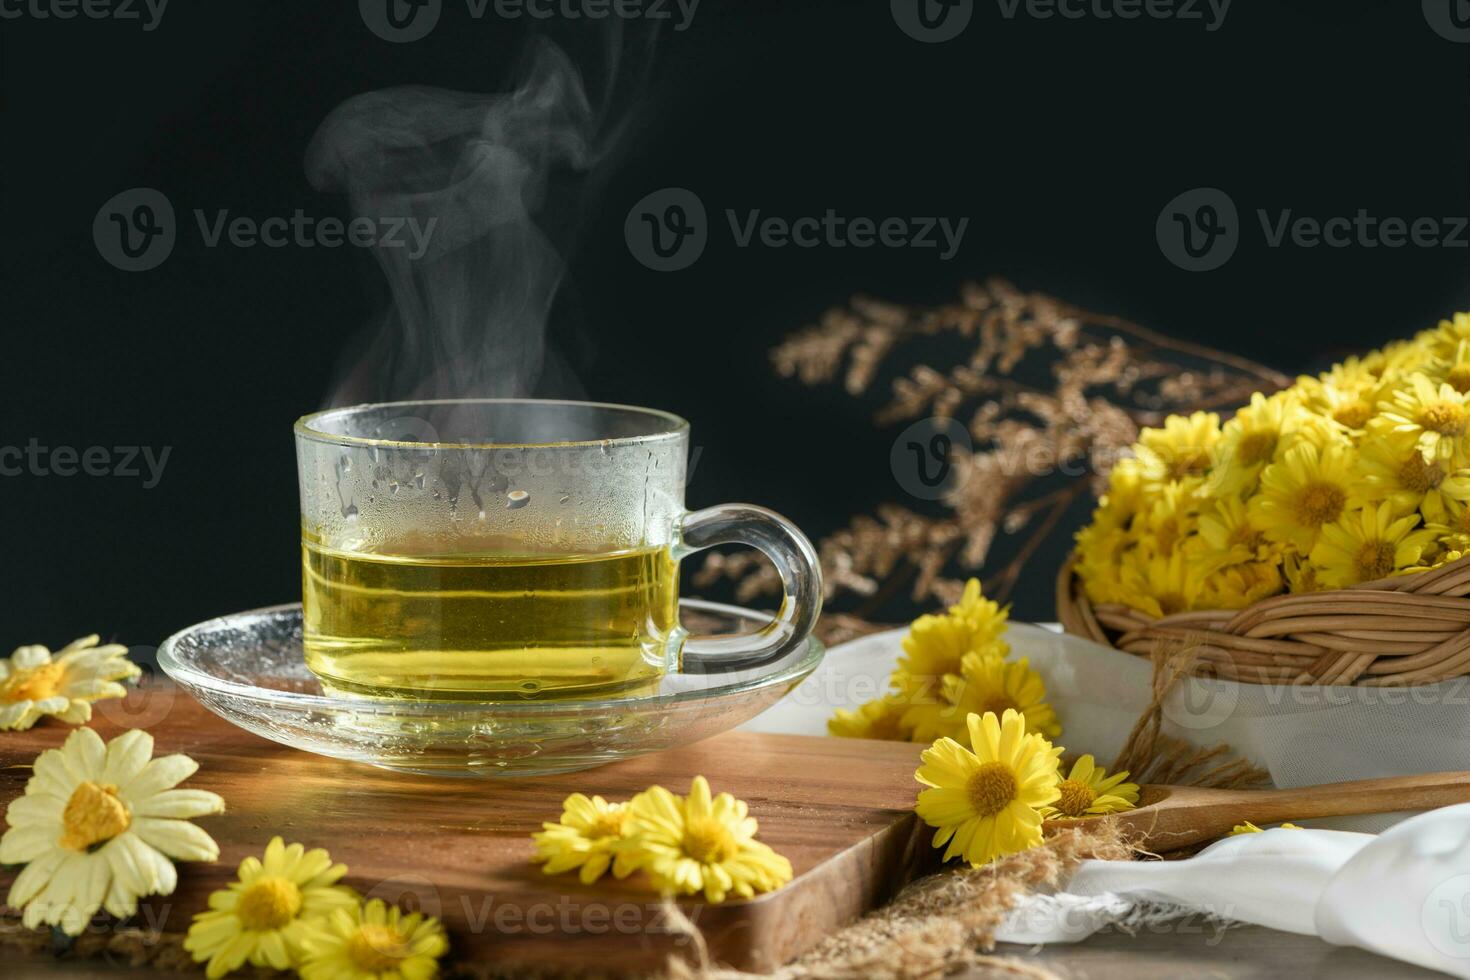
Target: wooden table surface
1194	950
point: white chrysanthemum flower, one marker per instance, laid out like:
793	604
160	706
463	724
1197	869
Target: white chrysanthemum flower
35	683
97	827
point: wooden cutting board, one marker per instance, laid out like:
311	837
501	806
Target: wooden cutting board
839	809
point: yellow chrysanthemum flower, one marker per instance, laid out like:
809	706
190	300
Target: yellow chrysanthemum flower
587	837
1395	469
1088	790
986	683
1160	585
1172	517
1228	536
97	826
1437	416
1368	544
1251	440
263	916
881	718
1100	548
986	617
1182	449
1347	394
697	844
935	645
1306	489
1445	339
986	801
34	683
371	941
1239	586
1453	369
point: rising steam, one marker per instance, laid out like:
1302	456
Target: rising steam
468	316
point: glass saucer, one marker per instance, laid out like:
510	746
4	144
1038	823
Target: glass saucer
249	669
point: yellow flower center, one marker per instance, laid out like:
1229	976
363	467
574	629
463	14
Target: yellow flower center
377	949
1076	797
1419	475
1354	414
609	824
1459	377
32	683
1245	536
1375	560
991	788
1171	603
1256	447
998	703
1189	462
1319	503
708	841
269	903
94	815
1446	418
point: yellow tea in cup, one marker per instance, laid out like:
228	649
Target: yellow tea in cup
489	549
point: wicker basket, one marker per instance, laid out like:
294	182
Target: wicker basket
1410	629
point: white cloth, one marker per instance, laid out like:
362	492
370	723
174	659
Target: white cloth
1404	893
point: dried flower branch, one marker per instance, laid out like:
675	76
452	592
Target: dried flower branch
1051	395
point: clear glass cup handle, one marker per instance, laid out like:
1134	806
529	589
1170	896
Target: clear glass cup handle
801	579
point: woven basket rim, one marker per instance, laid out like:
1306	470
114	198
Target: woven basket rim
1406	629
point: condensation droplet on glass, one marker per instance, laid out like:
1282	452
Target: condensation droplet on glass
517	499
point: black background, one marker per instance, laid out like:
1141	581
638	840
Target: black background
1061	141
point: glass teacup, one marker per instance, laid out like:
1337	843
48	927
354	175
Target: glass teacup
490	549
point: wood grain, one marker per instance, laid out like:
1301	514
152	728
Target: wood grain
1173	817
840	809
